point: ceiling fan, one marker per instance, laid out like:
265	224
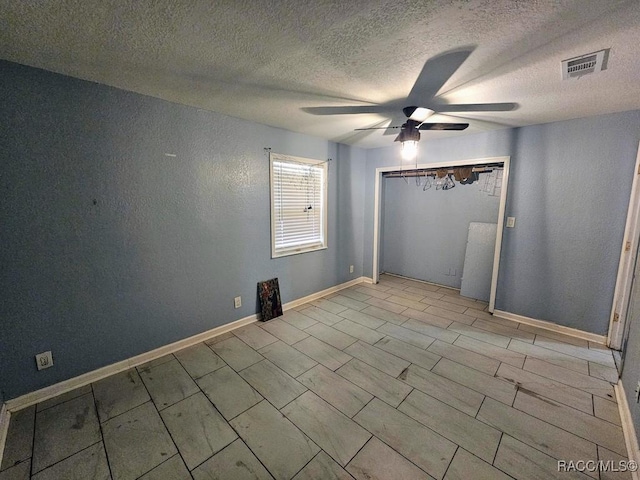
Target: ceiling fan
422	104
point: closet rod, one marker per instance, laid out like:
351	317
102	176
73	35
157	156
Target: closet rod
432	172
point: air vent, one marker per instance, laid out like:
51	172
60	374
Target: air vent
585	64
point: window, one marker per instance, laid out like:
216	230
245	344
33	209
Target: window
298	205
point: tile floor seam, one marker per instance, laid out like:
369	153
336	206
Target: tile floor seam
362	448
477	340
552	425
373	435
95	406
61	403
562	428
174	444
435	364
533	447
127	411
569	354
293	400
153	468
458	447
516	385
556	351
165	426
33	438
294	425
518	389
243	441
370	400
478	412
67	457
495	455
311	460
248	448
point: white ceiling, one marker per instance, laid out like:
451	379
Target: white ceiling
266	60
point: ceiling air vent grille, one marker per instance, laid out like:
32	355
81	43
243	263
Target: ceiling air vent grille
585	64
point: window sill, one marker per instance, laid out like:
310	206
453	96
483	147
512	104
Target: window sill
297	251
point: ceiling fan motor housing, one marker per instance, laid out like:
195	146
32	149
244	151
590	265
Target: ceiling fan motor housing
409	132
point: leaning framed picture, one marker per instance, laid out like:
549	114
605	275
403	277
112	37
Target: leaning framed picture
269	296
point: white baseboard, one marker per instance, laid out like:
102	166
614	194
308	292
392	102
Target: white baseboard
324	293
628	429
554	327
5	416
86	378
416	280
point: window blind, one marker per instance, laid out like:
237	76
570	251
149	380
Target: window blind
298	202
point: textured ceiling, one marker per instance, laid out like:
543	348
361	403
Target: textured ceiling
267	60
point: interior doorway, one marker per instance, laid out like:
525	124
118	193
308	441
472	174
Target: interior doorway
429	174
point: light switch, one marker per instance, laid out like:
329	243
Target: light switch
511	222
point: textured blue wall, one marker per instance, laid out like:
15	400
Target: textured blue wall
571	187
110	248
424	233
569	190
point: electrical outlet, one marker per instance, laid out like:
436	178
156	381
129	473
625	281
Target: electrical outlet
511	222
44	360
237	302
350	268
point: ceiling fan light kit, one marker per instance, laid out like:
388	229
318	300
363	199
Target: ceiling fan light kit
409	150
409	137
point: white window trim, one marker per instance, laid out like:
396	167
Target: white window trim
325	193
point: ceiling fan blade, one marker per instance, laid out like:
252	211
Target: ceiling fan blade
387	130
349	110
476	107
476	122
376	128
443	126
391	131
434	74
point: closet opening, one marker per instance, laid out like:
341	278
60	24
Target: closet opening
442	223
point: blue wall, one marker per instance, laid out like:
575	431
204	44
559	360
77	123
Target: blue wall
572	182
424	233
569	190
110	248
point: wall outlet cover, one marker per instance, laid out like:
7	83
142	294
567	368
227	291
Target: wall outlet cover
44	360
511	222
237	302
350	268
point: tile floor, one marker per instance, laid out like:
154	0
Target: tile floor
400	380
